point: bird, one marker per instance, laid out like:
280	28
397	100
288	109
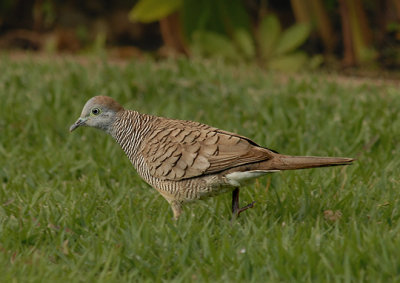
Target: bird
187	161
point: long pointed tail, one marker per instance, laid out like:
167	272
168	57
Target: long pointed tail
287	162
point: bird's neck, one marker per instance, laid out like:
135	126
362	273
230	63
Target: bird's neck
129	128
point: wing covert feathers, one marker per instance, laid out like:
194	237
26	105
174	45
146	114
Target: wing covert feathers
178	150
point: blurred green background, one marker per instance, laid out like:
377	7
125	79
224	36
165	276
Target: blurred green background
285	35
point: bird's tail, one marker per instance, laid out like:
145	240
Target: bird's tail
287	162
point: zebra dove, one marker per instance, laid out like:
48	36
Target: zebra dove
185	160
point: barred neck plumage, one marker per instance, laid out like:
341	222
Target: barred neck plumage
129	129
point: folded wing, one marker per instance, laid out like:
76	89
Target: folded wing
178	150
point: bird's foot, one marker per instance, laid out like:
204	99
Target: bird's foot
240	210
236	210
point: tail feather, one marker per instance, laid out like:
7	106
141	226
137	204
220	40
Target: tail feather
287	162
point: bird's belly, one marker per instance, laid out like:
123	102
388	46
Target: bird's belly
192	189
203	187
214	191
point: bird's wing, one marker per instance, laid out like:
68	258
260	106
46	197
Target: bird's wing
178	150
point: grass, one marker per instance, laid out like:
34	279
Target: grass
73	209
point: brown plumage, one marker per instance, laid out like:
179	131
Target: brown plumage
186	160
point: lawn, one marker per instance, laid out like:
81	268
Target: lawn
73	209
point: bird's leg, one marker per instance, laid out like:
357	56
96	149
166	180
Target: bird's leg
176	208
236	210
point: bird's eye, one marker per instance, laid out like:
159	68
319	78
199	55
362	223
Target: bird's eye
96	111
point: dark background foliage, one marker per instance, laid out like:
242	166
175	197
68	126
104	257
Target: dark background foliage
350	32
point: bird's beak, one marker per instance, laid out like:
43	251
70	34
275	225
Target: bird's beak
81	121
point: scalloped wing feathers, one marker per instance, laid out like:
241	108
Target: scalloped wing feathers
177	150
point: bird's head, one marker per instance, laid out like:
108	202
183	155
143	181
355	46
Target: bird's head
99	112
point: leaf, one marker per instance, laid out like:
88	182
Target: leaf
233	14
315	61
147	11
289	63
245	43
293	38
268	34
223	17
214	44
